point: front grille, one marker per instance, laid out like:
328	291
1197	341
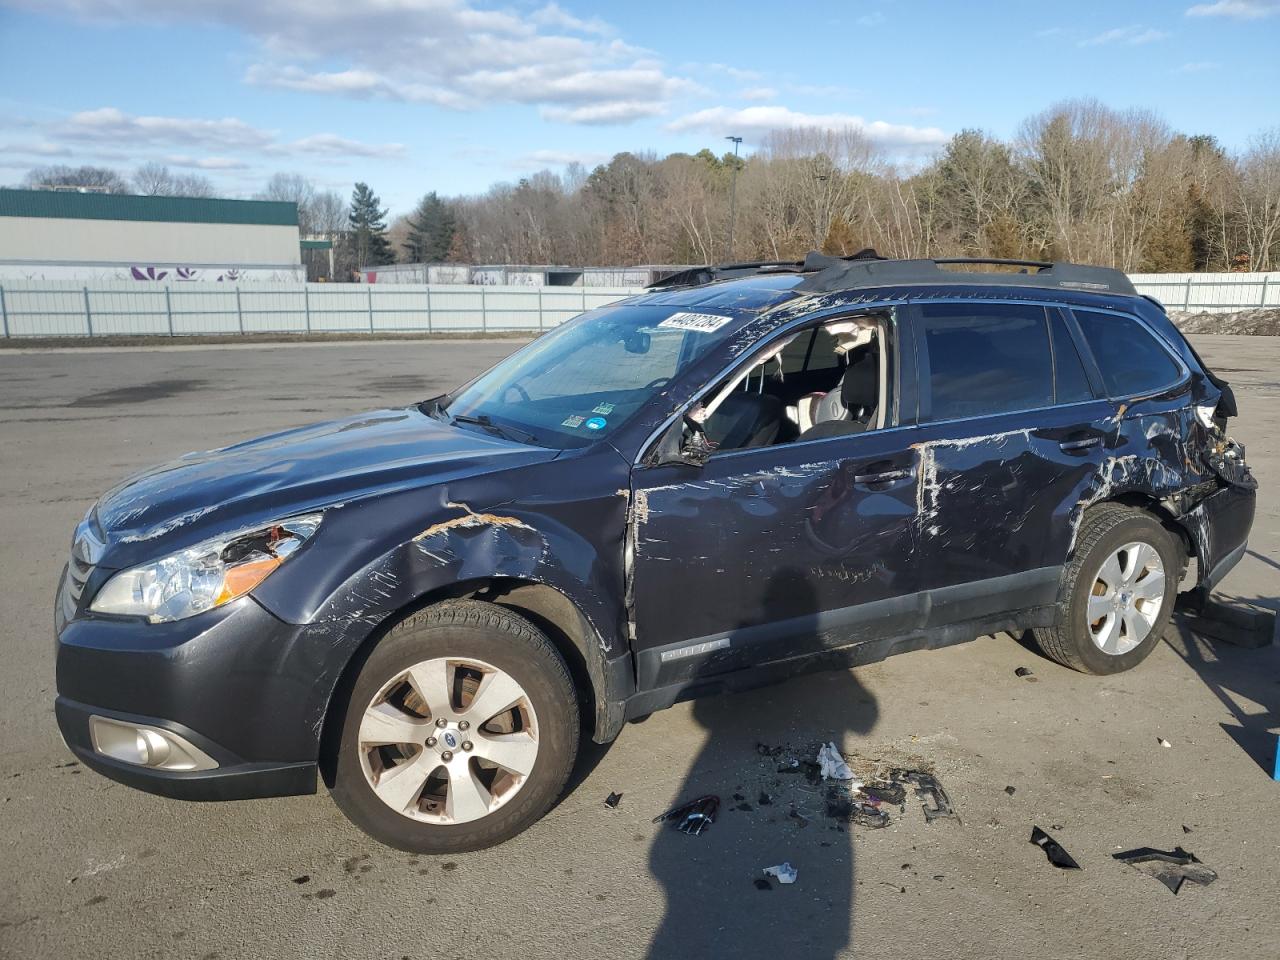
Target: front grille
86	550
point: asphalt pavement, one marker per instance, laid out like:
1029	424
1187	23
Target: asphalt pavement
89	868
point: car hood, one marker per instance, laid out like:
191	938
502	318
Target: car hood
212	492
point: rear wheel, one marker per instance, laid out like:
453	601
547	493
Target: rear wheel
1118	592
460	732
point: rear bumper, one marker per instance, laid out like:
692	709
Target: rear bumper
1219	527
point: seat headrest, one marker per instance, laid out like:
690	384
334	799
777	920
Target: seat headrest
860	387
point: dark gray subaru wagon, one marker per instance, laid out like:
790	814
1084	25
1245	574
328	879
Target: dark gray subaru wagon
429	607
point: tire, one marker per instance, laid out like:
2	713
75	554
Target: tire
1113	531
467	647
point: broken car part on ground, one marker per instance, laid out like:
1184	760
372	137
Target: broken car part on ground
836	460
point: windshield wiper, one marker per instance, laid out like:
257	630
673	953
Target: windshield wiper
507	433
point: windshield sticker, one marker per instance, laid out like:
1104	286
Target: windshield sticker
574	421
604	408
698	322
596	423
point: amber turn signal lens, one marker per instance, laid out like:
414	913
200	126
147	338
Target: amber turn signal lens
243	577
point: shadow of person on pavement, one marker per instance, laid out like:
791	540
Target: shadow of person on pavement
714	907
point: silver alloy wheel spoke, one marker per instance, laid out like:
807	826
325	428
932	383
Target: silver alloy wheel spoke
511	751
1127	595
430	680
400	786
385	724
467	798
452	766
498	693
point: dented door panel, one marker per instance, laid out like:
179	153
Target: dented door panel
773	553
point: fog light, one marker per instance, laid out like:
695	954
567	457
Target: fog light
146	746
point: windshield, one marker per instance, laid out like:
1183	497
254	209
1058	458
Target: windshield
585	379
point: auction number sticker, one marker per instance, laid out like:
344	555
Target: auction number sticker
574	421
697	322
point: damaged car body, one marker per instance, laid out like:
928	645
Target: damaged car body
742	474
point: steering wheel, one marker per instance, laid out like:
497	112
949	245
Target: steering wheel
660	381
524	395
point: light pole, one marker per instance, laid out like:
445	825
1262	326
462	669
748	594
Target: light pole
733	193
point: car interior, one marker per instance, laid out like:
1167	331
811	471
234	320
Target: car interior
823	381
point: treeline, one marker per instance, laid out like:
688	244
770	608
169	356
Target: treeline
1079	181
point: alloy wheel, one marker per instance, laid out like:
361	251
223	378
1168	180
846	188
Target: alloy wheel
1125	601
448	740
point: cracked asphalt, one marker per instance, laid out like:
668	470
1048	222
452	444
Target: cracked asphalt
91	868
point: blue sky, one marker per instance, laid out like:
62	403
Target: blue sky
453	95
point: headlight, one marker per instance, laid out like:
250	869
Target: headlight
204	576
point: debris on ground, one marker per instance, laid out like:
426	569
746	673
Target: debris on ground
762	883
842	806
886	792
928	788
784	872
692	817
1026	674
1053	850
1170	867
613	800
832	765
1011	790
1163	742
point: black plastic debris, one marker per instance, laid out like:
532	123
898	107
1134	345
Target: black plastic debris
1170	867
762	883
1053	850
841	806
1026	674
1011	790
613	800
927	788
692	817
764	799
889	792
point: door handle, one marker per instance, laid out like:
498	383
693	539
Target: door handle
885	476
1071	446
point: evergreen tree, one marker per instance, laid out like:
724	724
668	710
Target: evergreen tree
432	226
369	228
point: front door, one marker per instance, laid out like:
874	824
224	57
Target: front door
772	553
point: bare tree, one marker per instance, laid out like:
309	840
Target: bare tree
155	180
87	179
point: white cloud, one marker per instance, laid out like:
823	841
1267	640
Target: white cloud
756	122
602	114
558	158
205	163
759	93
446	53
109	129
554	15
1198	66
870	19
1133	35
1235	9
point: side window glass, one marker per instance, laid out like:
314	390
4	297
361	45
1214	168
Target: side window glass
985	359
1071	384
1130	358
823	356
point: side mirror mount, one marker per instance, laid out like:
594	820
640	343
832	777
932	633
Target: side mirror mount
697	447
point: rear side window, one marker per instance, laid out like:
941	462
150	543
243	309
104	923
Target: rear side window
985	359
1130	358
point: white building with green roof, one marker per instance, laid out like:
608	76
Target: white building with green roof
54	235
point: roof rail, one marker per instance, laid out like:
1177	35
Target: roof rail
846	275
813	262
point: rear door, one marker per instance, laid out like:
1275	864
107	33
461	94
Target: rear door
1011	432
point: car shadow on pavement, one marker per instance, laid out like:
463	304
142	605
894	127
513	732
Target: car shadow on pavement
713	882
1246	682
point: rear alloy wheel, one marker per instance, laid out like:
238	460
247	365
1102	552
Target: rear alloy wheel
460	732
1118	592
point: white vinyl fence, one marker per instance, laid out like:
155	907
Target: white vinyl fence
137	308
128	308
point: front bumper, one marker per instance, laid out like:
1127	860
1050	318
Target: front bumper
236	682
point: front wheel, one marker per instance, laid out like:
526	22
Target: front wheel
1118	592
461	731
